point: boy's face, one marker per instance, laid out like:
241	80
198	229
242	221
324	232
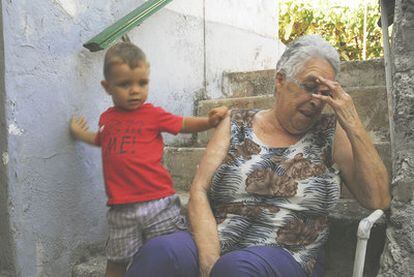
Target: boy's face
128	87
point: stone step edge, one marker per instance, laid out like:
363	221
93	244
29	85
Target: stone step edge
271	94
378	61
346	67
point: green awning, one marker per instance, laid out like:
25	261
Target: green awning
124	25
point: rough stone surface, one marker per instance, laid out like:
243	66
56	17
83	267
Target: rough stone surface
398	256
94	267
362	73
384	150
352	74
370	102
253	83
182	164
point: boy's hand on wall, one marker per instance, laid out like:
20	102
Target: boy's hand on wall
80	130
216	115
78	125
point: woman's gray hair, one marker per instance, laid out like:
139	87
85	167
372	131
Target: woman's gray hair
302	49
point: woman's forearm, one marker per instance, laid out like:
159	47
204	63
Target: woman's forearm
370	173
202	220
204	227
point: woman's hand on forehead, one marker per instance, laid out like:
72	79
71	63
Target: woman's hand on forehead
311	81
340	101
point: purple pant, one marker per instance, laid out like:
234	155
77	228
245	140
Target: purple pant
175	255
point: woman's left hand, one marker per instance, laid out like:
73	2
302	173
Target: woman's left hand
341	102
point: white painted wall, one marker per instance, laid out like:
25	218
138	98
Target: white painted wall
240	36
56	194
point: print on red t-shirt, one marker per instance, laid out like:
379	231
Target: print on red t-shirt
122	136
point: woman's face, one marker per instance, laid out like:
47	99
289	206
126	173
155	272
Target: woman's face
296	110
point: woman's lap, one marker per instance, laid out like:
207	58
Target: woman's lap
176	255
173	255
258	261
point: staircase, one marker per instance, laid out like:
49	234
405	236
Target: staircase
365	82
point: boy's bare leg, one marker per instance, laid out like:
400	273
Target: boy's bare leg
114	269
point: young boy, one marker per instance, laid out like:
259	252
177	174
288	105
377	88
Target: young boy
142	200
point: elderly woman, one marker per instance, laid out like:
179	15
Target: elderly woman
261	196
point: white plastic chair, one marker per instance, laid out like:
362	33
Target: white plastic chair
364	231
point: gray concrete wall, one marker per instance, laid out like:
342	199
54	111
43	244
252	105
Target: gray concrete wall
398	256
6	253
55	200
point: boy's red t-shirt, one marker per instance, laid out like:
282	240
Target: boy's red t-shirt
132	150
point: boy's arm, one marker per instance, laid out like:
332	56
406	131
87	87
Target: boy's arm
79	130
193	124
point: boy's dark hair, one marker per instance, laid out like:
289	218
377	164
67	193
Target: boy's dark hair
123	52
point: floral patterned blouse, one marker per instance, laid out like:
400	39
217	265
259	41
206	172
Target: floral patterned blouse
276	196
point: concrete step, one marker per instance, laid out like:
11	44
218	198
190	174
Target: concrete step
340	248
370	102
253	83
182	164
94	267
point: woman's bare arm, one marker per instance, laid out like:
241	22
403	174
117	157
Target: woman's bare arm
202	221
361	167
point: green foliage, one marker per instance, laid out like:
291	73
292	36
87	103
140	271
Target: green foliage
341	26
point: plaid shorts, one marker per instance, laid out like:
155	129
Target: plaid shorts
131	225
